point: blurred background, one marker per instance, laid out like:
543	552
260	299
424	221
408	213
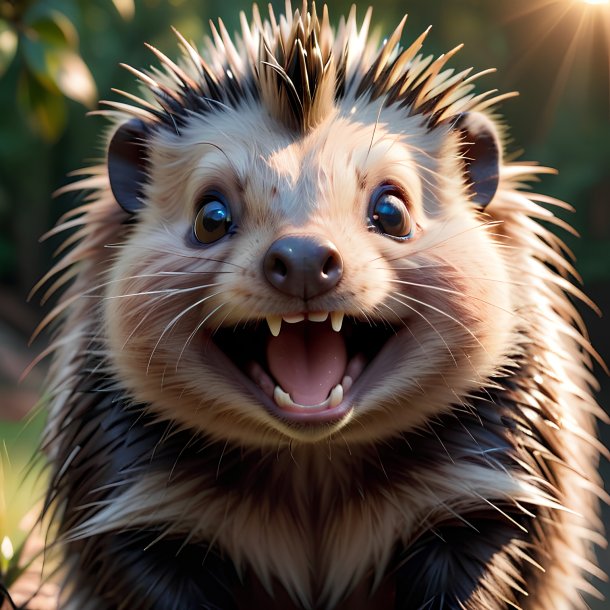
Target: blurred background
58	57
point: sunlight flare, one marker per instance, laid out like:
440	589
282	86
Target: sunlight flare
581	29
6	548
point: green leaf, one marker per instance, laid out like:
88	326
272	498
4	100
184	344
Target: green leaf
74	79
49	48
8	46
53	29
45	110
36	59
43	39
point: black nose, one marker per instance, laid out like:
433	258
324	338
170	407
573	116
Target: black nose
303	266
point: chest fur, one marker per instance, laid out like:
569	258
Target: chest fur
312	524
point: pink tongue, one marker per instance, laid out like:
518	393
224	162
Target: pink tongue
308	360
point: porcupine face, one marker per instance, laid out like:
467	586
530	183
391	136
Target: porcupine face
324	284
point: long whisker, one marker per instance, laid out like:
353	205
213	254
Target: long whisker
419	313
172	253
143	276
168	291
482	225
175	320
152	308
368	152
421	347
466	277
443	313
414	266
219	325
196	330
453	292
421	168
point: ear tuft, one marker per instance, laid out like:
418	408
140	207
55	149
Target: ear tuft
481	150
127	164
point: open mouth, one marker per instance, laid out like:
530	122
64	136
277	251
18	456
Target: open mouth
306	364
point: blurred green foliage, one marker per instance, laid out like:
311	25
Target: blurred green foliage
22	486
44	43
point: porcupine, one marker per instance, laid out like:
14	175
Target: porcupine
317	351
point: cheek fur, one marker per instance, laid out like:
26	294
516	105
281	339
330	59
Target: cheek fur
450	306
155	302
469	291
455	321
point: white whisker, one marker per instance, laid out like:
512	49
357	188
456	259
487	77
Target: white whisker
415	251
166	291
130	246
419	313
175	320
453	292
462	276
443	313
197	329
421	347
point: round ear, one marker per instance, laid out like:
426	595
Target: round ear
127	164
482	154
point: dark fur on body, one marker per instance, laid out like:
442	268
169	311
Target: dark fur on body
441	569
472	488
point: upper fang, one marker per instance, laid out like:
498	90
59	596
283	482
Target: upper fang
336	320
275	324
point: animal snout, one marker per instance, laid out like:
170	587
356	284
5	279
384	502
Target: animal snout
303	266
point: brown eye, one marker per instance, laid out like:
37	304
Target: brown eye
213	220
389	214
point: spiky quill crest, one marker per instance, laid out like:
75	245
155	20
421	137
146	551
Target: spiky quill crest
298	69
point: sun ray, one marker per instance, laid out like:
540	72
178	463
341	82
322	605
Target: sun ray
530	9
547	26
565	70
571	26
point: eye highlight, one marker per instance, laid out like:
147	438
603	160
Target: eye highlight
213	220
389	213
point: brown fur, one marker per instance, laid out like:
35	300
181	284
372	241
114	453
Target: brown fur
299	141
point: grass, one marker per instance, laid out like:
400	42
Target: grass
22	485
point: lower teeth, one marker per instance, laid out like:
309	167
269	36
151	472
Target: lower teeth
284	400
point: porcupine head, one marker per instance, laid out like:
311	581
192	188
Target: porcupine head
310	257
